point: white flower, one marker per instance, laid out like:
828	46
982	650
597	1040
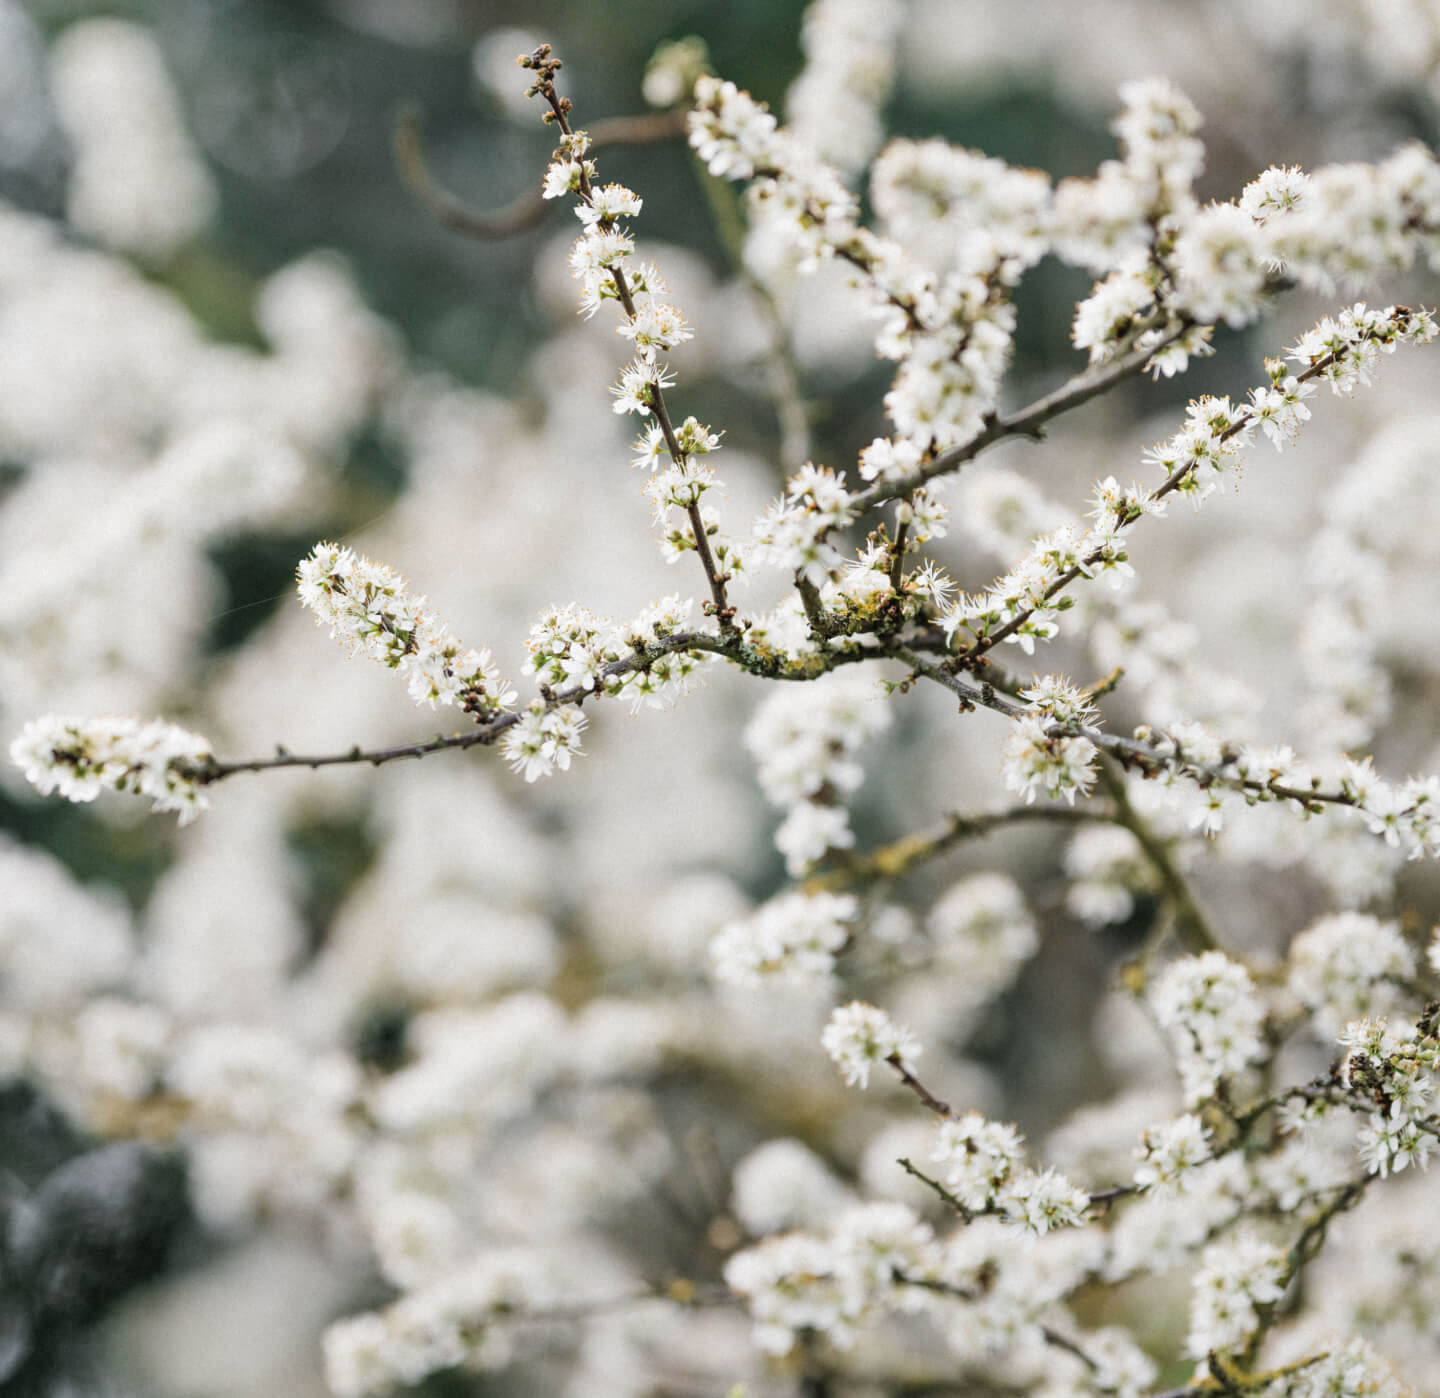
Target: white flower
1040	1201
859	1036
792	938
80	757
980	1158
1035	762
1169	1152
1208	1007
793	1283
544	740
809	832
369	609
608	203
1344	967
1236	1276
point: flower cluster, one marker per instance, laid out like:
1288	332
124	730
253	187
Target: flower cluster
440	1106
984	1169
1393	1066
602	261
1169	1153
450	1322
544	739
369	610
791	939
804	742
1106	869
794	533
1346	966
1237	1276
1040	756
81	757
950	334
830	1284
859	1036
1208	1007
834	105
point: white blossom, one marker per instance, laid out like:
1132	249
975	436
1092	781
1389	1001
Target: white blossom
1208	1007
80	757
859	1036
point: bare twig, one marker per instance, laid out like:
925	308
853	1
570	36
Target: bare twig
897	858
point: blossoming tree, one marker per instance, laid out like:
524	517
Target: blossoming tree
487	1167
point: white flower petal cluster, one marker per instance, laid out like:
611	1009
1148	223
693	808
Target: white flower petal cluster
1406	816
783	1185
792	1283
860	1036
1345	966
1208	1007
1394	1065
793	532
1162	1231
601	260
80	757
1237	1275
960	210
834	1283
1109	222
1106	869
791	939
1169	1153
1353	565
833	106
950	333
1039	759
1026	603
1352	1370
136	181
804	740
369	610
979	1157
1339	226
984	1168
544	740
452	1321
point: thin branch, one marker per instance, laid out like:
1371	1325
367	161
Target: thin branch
1031	419
941	1109
897	858
1131	752
1190	920
1172	483
723	610
1056	1340
940	1288
897	556
944	1194
482	735
1302	1252
559	113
